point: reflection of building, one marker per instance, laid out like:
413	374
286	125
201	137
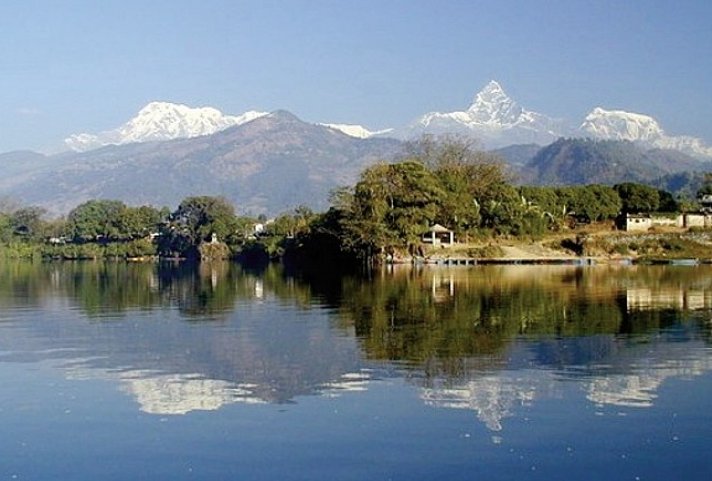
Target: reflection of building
443	286
670	298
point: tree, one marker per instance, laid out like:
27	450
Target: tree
469	177
194	221
27	222
392	205
95	220
138	222
593	202
638	197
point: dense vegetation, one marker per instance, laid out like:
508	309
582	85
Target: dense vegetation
444	181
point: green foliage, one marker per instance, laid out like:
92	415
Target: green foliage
195	221
394	204
439	180
591	203
26	222
111	221
293	223
20	250
94	220
637	198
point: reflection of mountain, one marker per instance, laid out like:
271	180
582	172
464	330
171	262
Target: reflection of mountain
182	393
630	377
199	339
492	397
184	338
158	393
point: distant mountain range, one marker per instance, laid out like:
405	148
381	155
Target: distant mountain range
497	120
162	121
493	118
270	162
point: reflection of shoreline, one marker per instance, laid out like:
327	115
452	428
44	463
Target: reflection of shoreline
495	397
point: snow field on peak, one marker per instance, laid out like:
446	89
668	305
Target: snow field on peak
620	125
162	121
357	131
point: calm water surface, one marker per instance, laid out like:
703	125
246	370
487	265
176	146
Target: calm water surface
130	372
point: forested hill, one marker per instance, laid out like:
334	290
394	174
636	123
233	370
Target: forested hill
277	162
586	161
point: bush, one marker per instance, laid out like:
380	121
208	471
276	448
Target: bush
20	250
214	250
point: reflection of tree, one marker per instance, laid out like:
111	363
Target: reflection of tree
199	290
111	288
97	287
108	288
435	318
463	333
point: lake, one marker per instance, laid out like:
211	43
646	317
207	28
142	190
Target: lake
116	371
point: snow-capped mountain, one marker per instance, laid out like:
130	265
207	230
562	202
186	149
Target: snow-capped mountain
494	118
358	131
162	121
639	128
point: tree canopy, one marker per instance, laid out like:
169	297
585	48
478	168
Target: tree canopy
195	221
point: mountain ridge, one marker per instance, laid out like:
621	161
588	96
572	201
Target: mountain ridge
493	118
268	165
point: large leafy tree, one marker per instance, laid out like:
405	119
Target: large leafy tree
27	222
638	197
469	178
111	220
392	205
195	221
94	220
593	202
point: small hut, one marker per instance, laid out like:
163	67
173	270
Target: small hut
439	235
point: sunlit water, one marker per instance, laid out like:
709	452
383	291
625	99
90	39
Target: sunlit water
127	372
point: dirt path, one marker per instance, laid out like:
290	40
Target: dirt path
532	251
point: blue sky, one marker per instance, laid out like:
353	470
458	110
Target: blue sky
86	66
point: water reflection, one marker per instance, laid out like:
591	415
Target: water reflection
181	338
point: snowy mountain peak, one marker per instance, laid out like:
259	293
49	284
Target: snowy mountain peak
493	118
357	131
492	106
620	125
162	121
